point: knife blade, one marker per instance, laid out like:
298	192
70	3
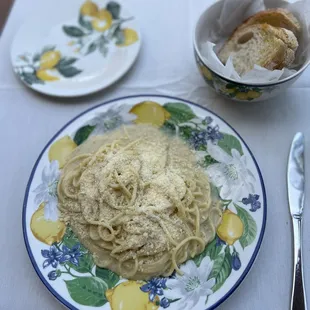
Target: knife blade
295	187
295	175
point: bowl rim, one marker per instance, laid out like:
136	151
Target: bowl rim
253	84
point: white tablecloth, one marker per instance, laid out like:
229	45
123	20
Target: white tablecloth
165	66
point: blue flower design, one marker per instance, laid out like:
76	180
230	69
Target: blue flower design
155	287
52	256
207	120
219	241
214	134
165	303
235	261
200	138
54	274
253	201
71	255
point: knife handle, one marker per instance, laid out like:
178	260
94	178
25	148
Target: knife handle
298	299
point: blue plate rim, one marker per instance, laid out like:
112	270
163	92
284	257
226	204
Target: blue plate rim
34	264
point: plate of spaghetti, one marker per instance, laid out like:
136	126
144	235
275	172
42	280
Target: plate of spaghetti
144	202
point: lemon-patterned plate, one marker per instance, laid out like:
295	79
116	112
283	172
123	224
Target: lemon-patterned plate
66	267
75	47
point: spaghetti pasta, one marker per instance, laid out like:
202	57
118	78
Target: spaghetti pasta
137	200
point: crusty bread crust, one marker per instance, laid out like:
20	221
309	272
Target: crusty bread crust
261	44
278	17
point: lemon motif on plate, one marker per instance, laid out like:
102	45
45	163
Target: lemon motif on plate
130	37
46	231
98	27
231	228
46	66
103	20
61	149
89	8
128	296
150	112
45	76
49	59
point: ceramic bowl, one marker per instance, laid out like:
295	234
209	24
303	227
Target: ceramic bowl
229	88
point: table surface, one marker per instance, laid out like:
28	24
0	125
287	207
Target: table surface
5	6
165	66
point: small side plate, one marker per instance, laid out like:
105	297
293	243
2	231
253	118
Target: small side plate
78	50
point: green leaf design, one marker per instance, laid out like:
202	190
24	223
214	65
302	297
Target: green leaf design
91	48
73	31
170	300
30	78
217	265
221	269
115	26
230	86
48	48
186	132
180	112
69	71
243	88
84	23
230	142
86	263
212	250
114	8
208	160
66	61
119	35
87	291
70	242
214	192
108	276
82	134
250	227
168	128
36	57
103	48
70	239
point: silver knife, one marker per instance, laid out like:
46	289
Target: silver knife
295	187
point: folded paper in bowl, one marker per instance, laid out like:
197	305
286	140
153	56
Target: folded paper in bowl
232	14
